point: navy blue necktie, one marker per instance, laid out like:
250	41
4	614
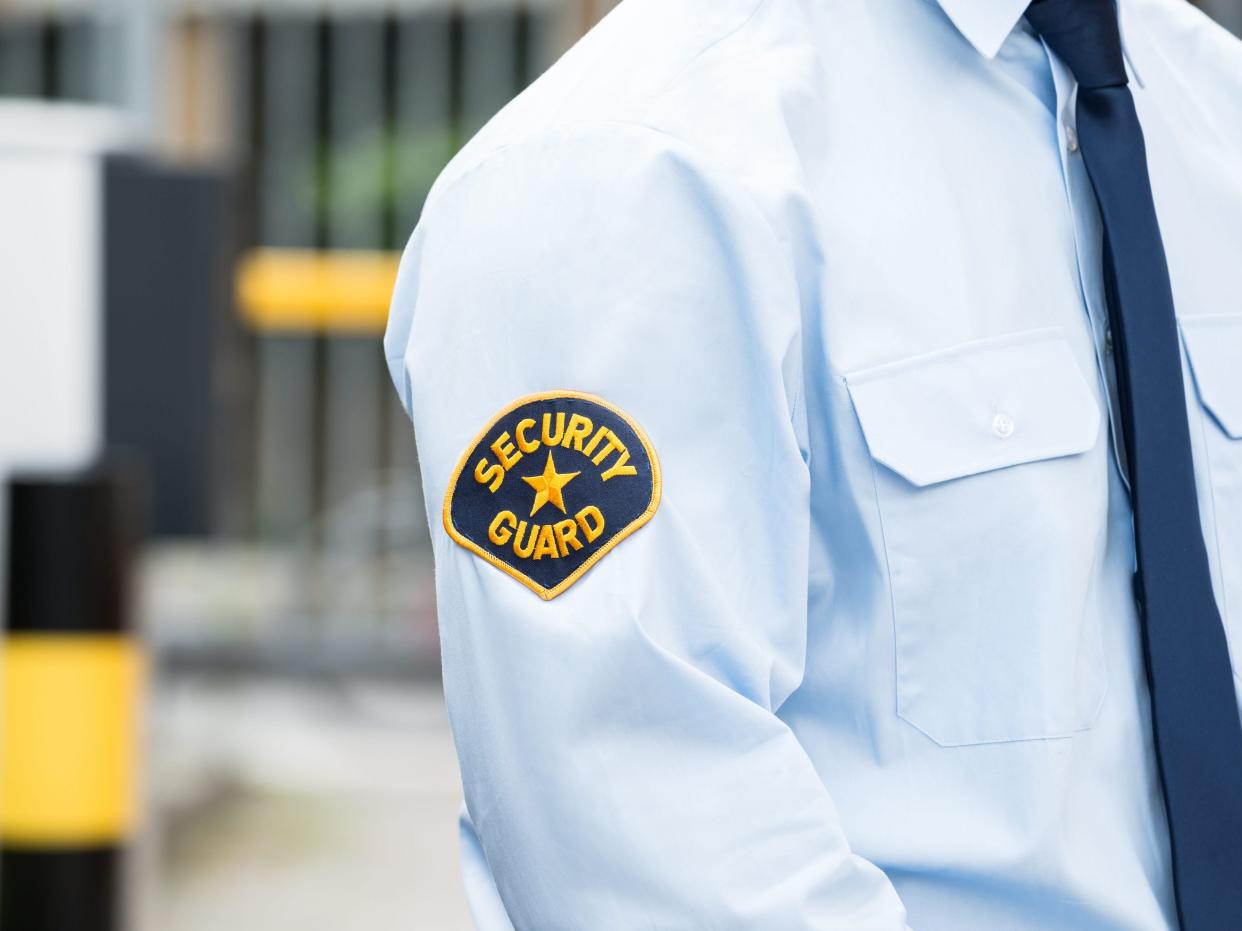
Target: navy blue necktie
1197	731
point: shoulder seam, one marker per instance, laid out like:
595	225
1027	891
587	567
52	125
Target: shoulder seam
694	59
566	132
547	132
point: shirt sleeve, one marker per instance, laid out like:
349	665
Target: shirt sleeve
622	755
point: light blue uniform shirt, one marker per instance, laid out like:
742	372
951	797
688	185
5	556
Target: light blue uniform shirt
874	663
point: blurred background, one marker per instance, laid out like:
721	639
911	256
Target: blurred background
202	204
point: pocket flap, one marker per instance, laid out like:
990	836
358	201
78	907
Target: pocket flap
1214	344
976	407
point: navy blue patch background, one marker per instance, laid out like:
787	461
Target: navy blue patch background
622	499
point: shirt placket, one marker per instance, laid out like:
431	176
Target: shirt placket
1089	252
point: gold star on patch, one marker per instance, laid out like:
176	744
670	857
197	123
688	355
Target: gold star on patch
548	486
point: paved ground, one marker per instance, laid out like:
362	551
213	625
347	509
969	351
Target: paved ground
296	808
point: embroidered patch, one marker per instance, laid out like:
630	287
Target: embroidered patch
553	483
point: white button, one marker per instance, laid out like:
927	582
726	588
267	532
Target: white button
1071	138
1002	426
1108	339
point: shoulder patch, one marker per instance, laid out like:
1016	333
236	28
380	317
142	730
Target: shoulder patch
550	485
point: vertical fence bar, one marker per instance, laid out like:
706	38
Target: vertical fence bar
288	56
238	382
424	138
355	219
21	57
424	132
79	50
355	193
49	58
545	38
109	79
491	66
422	103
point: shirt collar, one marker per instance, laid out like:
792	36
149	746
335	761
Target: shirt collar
985	23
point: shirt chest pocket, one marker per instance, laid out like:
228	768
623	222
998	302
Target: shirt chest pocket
1214	345
992	491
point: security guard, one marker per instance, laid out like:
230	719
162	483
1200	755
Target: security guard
832	416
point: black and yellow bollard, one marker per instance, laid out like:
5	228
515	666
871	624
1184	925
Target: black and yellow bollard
70	684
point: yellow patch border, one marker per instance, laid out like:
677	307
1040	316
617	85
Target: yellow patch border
547	594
